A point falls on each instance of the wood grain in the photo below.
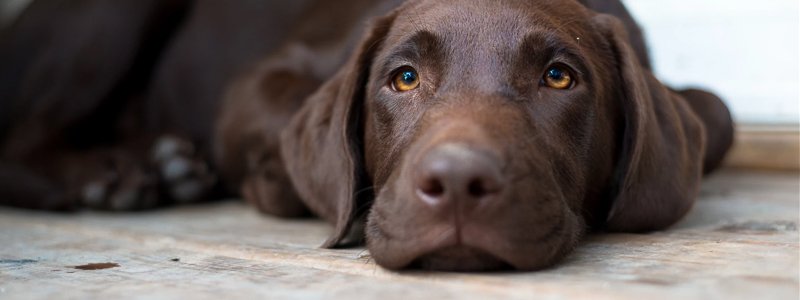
(739, 242)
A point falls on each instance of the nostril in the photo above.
(481, 187)
(432, 187)
(476, 188)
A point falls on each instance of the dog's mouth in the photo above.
(460, 259)
(471, 248)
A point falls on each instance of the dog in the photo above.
(445, 134)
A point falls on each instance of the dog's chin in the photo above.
(460, 259)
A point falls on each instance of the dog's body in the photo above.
(434, 125)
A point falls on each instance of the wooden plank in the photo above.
(766, 147)
(739, 242)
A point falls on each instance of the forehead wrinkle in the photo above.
(479, 47)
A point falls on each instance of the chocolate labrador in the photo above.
(447, 134)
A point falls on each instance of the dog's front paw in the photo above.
(121, 188)
(272, 196)
(184, 175)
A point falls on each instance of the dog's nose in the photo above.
(453, 173)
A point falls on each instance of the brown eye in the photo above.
(558, 78)
(405, 79)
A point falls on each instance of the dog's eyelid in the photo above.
(390, 63)
(390, 68)
(565, 57)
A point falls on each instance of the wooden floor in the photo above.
(739, 242)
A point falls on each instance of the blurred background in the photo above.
(746, 51)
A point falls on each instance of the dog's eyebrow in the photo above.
(540, 47)
(545, 43)
(421, 44)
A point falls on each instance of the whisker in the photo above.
(357, 193)
(366, 204)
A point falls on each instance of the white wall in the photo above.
(744, 50)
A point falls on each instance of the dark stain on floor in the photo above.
(96, 266)
(654, 281)
(15, 264)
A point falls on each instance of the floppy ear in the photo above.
(660, 167)
(322, 146)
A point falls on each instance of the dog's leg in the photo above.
(66, 179)
(247, 152)
(22, 187)
(134, 175)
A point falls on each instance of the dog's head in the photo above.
(485, 134)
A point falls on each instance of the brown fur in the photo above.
(481, 167)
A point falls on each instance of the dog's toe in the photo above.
(185, 176)
(169, 146)
(121, 188)
(94, 194)
(176, 168)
